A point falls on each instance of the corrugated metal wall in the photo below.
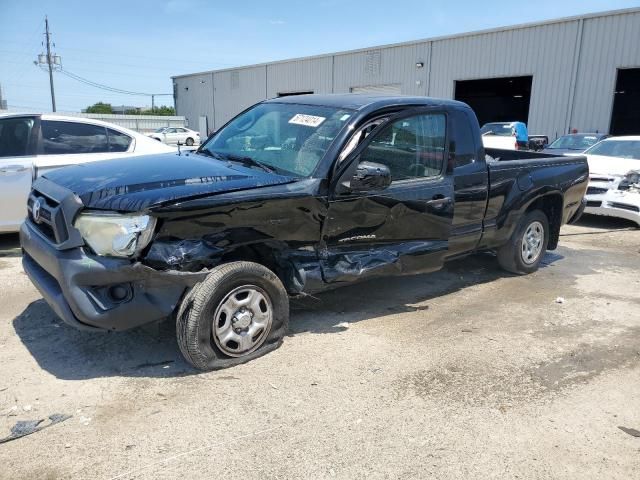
(573, 63)
(545, 52)
(310, 75)
(194, 98)
(235, 90)
(383, 66)
(608, 43)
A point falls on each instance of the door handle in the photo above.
(13, 169)
(438, 201)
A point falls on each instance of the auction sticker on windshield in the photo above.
(306, 120)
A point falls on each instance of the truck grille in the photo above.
(47, 216)
(51, 209)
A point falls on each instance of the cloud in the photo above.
(277, 22)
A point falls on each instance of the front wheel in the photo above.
(238, 313)
(527, 246)
(189, 142)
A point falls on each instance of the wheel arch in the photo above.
(551, 205)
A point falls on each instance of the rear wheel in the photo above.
(238, 313)
(527, 246)
(189, 141)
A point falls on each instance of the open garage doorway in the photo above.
(625, 117)
(497, 99)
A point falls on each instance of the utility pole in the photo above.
(49, 62)
(153, 103)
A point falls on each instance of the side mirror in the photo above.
(369, 177)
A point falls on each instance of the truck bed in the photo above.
(518, 177)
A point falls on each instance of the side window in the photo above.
(465, 146)
(412, 147)
(118, 141)
(14, 136)
(71, 137)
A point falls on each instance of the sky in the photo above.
(137, 45)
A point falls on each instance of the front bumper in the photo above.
(81, 289)
(615, 203)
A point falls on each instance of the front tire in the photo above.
(238, 313)
(189, 142)
(527, 246)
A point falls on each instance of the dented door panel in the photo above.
(397, 231)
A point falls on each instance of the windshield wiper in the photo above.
(248, 161)
(211, 154)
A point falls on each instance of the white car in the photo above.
(614, 178)
(501, 135)
(33, 144)
(175, 135)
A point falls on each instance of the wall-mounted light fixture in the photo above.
(419, 64)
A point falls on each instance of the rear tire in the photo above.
(189, 142)
(238, 313)
(527, 246)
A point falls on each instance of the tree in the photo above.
(163, 110)
(100, 108)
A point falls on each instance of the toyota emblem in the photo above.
(35, 210)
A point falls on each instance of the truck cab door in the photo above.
(402, 227)
(17, 154)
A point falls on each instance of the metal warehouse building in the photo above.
(581, 72)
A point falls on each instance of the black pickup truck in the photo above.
(292, 196)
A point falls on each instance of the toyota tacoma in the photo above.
(293, 196)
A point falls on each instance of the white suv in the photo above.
(32, 144)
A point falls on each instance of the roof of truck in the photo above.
(358, 101)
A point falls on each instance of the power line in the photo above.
(108, 88)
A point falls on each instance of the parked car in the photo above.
(574, 143)
(293, 196)
(34, 144)
(614, 184)
(176, 135)
(505, 135)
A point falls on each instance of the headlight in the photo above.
(113, 234)
(630, 180)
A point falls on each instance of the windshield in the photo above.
(617, 148)
(500, 129)
(574, 142)
(288, 138)
(160, 130)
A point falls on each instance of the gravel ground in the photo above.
(466, 373)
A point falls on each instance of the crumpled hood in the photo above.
(137, 183)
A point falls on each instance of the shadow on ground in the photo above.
(607, 224)
(9, 245)
(74, 355)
